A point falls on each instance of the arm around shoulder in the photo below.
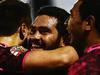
(50, 59)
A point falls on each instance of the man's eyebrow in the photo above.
(43, 27)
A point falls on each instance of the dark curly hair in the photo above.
(12, 14)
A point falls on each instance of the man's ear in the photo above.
(89, 23)
(23, 31)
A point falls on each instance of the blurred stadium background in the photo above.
(36, 4)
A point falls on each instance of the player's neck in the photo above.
(10, 40)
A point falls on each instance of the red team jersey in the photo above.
(89, 64)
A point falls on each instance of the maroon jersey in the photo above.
(89, 64)
(11, 58)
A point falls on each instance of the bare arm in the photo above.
(50, 59)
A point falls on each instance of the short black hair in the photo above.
(91, 7)
(12, 14)
(58, 13)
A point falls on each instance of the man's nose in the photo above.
(37, 35)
